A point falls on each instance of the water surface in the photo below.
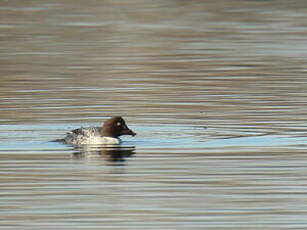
(216, 92)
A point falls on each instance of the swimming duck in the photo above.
(107, 134)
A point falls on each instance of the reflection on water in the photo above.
(109, 153)
(216, 91)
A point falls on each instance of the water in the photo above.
(216, 92)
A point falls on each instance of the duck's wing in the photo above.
(90, 131)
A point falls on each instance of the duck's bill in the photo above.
(128, 132)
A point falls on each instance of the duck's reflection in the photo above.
(109, 153)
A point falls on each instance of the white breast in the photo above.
(101, 140)
(79, 139)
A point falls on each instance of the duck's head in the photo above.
(115, 127)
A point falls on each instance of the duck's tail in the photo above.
(58, 140)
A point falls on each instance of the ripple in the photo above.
(219, 108)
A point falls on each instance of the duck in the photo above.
(108, 133)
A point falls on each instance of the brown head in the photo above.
(115, 127)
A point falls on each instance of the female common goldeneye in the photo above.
(107, 134)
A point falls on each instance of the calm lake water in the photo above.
(215, 90)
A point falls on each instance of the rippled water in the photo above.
(216, 92)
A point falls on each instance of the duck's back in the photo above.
(89, 131)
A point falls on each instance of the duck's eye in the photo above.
(118, 124)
